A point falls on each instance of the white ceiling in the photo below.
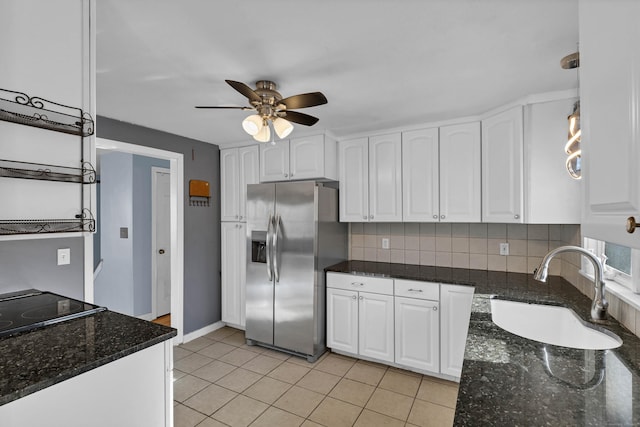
(380, 63)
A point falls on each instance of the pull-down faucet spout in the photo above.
(600, 304)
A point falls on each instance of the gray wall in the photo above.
(142, 201)
(201, 224)
(26, 264)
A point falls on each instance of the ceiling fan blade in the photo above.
(245, 90)
(300, 118)
(229, 108)
(304, 100)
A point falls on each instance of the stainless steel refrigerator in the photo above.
(293, 234)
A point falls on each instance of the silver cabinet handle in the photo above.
(415, 290)
(268, 246)
(276, 272)
(435, 217)
(516, 216)
(442, 216)
(354, 297)
(435, 308)
(361, 298)
(357, 284)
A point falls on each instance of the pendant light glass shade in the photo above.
(253, 124)
(282, 127)
(263, 135)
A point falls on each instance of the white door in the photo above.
(385, 178)
(162, 247)
(375, 326)
(353, 171)
(455, 311)
(307, 157)
(502, 167)
(417, 333)
(232, 292)
(249, 173)
(229, 185)
(342, 320)
(460, 173)
(274, 161)
(420, 180)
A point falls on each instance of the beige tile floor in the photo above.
(220, 381)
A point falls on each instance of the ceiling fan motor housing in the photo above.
(267, 91)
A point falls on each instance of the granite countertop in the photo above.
(31, 361)
(509, 380)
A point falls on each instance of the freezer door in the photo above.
(294, 288)
(259, 285)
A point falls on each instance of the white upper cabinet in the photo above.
(312, 157)
(353, 170)
(502, 167)
(420, 176)
(238, 167)
(460, 173)
(274, 161)
(385, 178)
(370, 173)
(610, 109)
(551, 195)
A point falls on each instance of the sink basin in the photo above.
(551, 325)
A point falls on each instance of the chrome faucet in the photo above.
(600, 304)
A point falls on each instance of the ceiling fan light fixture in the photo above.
(252, 124)
(263, 135)
(282, 127)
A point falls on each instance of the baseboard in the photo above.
(202, 331)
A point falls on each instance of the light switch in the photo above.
(504, 249)
(385, 243)
(64, 256)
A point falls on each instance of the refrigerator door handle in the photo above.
(276, 270)
(268, 247)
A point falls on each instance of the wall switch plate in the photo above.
(124, 232)
(64, 256)
(504, 249)
(385, 243)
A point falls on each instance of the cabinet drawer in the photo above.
(418, 290)
(376, 285)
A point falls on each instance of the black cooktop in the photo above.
(31, 309)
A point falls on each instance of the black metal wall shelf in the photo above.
(82, 222)
(18, 107)
(25, 170)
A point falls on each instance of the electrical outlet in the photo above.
(64, 256)
(385, 243)
(504, 249)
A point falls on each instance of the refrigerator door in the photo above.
(294, 266)
(260, 211)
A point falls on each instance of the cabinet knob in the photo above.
(516, 216)
(370, 216)
(435, 308)
(364, 217)
(631, 224)
(286, 175)
(361, 298)
(161, 251)
(354, 297)
(442, 216)
(240, 217)
(291, 175)
(236, 216)
(435, 217)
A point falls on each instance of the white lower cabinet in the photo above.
(233, 241)
(420, 326)
(417, 334)
(455, 311)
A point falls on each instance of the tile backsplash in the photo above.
(461, 245)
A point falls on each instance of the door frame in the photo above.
(154, 272)
(176, 167)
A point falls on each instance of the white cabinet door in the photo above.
(385, 178)
(307, 157)
(420, 176)
(610, 110)
(232, 283)
(342, 320)
(460, 173)
(274, 161)
(249, 173)
(417, 334)
(229, 185)
(353, 170)
(502, 167)
(455, 311)
(375, 320)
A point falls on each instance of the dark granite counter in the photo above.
(512, 381)
(32, 361)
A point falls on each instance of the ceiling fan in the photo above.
(272, 108)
